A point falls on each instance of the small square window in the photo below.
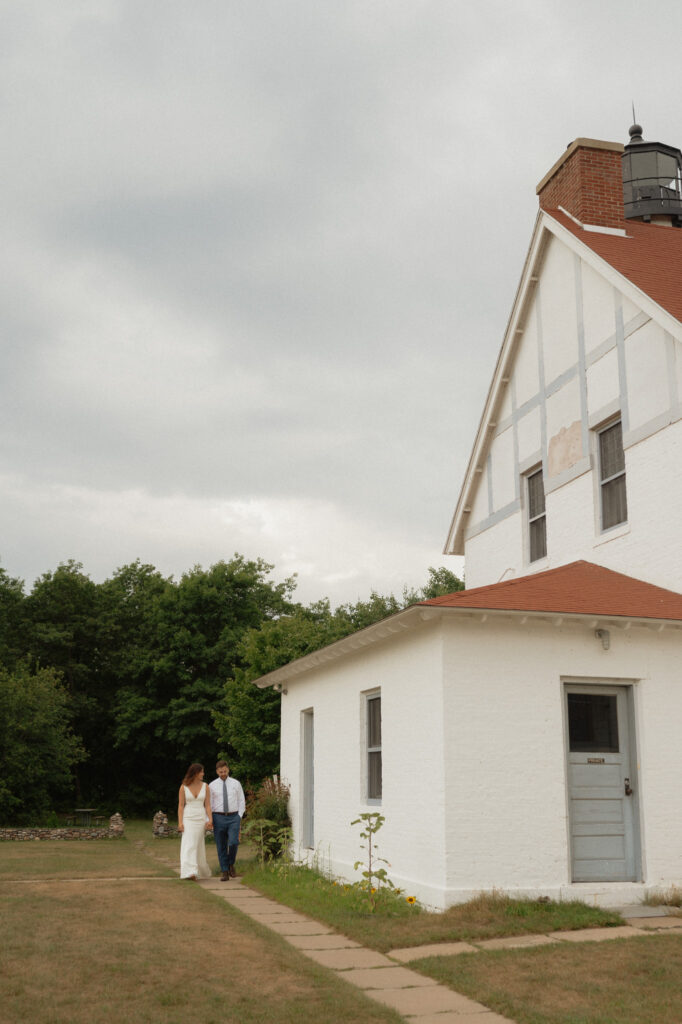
(592, 723)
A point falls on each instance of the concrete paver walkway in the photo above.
(383, 977)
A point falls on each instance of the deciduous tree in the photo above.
(38, 749)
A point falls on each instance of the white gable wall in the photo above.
(585, 355)
(558, 311)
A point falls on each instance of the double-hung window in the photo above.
(537, 519)
(373, 721)
(613, 499)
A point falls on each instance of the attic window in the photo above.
(614, 505)
(537, 520)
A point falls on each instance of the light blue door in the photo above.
(601, 787)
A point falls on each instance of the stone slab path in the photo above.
(383, 977)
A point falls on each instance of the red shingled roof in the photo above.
(649, 255)
(580, 588)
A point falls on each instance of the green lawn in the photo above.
(78, 858)
(400, 924)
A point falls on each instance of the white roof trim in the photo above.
(545, 225)
(382, 630)
(416, 615)
(598, 229)
(454, 544)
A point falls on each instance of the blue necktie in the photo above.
(225, 810)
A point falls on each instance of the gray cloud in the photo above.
(259, 258)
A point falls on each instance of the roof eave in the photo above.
(382, 630)
(593, 620)
(419, 614)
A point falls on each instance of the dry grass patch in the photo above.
(671, 897)
(626, 981)
(153, 952)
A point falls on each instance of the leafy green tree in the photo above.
(163, 712)
(62, 619)
(441, 581)
(128, 638)
(12, 625)
(248, 720)
(144, 660)
(62, 614)
(38, 749)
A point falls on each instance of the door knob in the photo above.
(628, 790)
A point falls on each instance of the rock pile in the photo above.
(160, 827)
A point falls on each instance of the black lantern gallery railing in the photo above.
(652, 179)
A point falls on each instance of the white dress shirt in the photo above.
(235, 796)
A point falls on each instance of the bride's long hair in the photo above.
(191, 774)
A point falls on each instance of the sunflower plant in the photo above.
(373, 877)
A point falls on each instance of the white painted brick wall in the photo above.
(408, 670)
(474, 752)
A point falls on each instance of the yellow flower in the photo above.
(410, 899)
(372, 890)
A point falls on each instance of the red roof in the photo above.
(649, 255)
(580, 588)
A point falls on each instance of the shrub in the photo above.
(268, 823)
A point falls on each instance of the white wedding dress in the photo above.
(193, 861)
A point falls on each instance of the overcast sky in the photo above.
(258, 258)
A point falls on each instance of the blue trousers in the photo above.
(226, 834)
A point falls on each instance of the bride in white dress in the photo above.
(194, 817)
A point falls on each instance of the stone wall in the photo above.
(114, 831)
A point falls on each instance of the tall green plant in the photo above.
(374, 877)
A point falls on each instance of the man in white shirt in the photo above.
(227, 807)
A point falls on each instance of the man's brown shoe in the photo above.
(225, 876)
(233, 873)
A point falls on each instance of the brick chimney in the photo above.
(587, 181)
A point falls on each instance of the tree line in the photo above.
(109, 690)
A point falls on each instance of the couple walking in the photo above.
(219, 807)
